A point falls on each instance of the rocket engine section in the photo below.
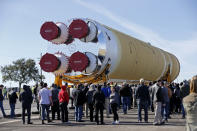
(87, 51)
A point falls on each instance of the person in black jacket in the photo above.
(79, 99)
(89, 96)
(26, 99)
(143, 100)
(125, 93)
(35, 93)
(99, 100)
(12, 101)
(55, 108)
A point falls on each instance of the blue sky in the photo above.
(170, 25)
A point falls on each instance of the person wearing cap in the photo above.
(26, 99)
(89, 96)
(63, 100)
(1, 101)
(143, 100)
(45, 98)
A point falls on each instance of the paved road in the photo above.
(18, 105)
(18, 109)
(127, 122)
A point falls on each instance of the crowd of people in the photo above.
(160, 97)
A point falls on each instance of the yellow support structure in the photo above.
(58, 81)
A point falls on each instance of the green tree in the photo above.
(21, 71)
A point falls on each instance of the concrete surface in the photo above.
(127, 122)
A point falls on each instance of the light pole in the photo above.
(40, 68)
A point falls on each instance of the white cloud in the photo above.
(185, 50)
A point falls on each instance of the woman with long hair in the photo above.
(190, 105)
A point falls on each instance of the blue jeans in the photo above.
(142, 105)
(129, 102)
(45, 107)
(2, 109)
(5, 95)
(125, 103)
(183, 110)
(165, 111)
(78, 112)
(12, 110)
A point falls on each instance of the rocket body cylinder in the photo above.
(106, 53)
(136, 59)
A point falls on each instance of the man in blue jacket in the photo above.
(106, 89)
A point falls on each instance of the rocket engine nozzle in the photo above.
(49, 62)
(49, 31)
(78, 61)
(59, 33)
(78, 29)
(57, 63)
(56, 33)
(86, 31)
